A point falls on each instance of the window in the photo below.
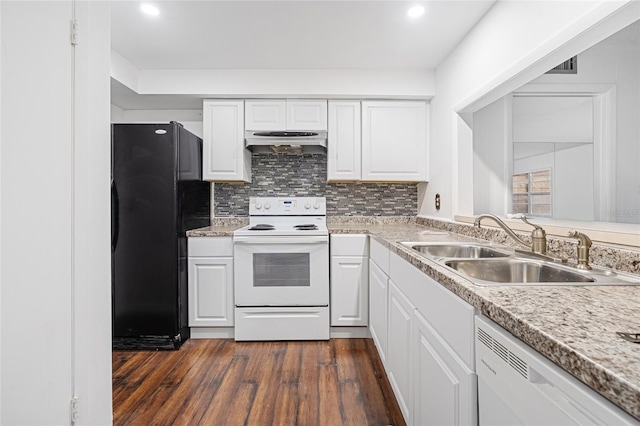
(532, 193)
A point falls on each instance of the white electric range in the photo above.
(281, 270)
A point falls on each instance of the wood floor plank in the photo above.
(286, 409)
(180, 385)
(213, 382)
(292, 362)
(141, 386)
(238, 411)
(266, 376)
(226, 391)
(350, 397)
(329, 396)
(213, 371)
(346, 360)
(309, 389)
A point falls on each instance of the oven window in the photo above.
(281, 270)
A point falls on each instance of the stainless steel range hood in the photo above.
(279, 140)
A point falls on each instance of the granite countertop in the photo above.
(573, 326)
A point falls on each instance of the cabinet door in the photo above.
(211, 292)
(399, 350)
(306, 115)
(378, 297)
(444, 389)
(343, 141)
(265, 115)
(394, 141)
(349, 291)
(224, 157)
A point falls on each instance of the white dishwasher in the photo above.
(518, 386)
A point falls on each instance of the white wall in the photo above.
(491, 162)
(616, 62)
(513, 43)
(54, 228)
(190, 119)
(572, 183)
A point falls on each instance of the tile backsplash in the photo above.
(305, 175)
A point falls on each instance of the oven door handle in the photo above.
(281, 240)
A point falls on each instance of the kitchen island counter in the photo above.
(573, 326)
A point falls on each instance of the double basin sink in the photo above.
(488, 265)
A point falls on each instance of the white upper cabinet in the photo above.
(224, 157)
(286, 115)
(394, 141)
(306, 115)
(265, 115)
(344, 141)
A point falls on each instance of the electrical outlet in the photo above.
(437, 201)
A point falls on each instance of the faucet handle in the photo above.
(584, 243)
(538, 227)
(523, 217)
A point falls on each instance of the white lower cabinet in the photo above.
(349, 280)
(349, 291)
(210, 282)
(399, 349)
(378, 303)
(444, 388)
(429, 347)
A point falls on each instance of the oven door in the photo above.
(281, 271)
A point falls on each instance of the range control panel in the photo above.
(281, 206)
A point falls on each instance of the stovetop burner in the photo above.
(299, 217)
(306, 227)
(262, 227)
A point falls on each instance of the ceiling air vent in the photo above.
(570, 66)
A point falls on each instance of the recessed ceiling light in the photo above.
(149, 9)
(415, 11)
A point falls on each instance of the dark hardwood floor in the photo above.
(216, 382)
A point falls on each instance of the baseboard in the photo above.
(212, 332)
(350, 332)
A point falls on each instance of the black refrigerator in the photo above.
(157, 194)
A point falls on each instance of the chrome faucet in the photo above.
(584, 242)
(538, 235)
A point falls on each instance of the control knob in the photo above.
(258, 206)
(307, 206)
(267, 206)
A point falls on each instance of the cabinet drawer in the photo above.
(210, 246)
(380, 255)
(349, 245)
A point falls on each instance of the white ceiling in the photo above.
(293, 34)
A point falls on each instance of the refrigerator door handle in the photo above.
(115, 213)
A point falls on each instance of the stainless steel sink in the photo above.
(516, 271)
(453, 250)
(487, 265)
